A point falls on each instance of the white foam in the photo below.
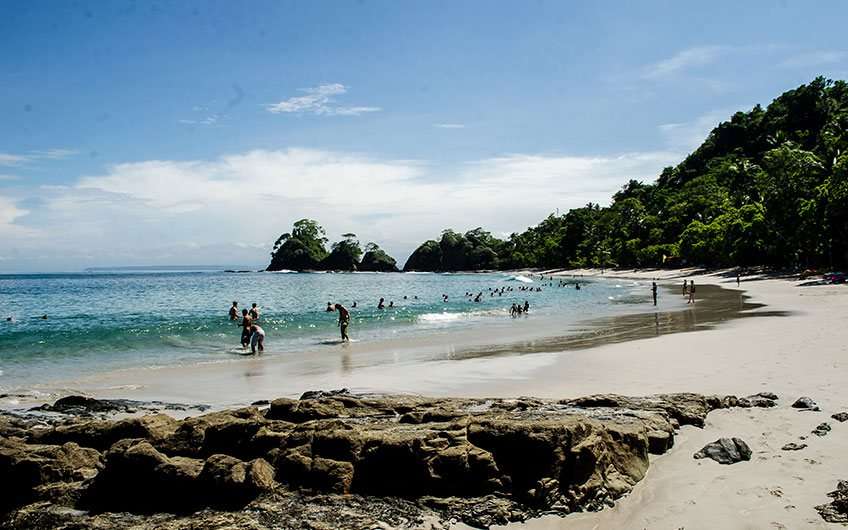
(519, 278)
(441, 317)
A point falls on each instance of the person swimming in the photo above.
(257, 338)
(234, 311)
(354, 304)
(344, 321)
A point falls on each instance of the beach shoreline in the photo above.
(799, 348)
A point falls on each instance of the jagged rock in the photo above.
(792, 446)
(725, 451)
(482, 461)
(840, 416)
(805, 403)
(27, 469)
(229, 482)
(822, 429)
(836, 511)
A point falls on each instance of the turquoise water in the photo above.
(103, 321)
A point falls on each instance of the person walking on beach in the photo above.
(257, 338)
(234, 311)
(684, 288)
(737, 278)
(654, 291)
(691, 292)
(344, 321)
(254, 312)
(246, 322)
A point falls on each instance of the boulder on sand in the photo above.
(805, 403)
(725, 451)
(837, 510)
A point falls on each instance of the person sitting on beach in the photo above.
(246, 322)
(329, 308)
(257, 338)
(254, 312)
(234, 311)
(344, 321)
(381, 305)
(691, 292)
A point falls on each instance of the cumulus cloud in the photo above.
(320, 100)
(230, 209)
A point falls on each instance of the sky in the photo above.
(195, 133)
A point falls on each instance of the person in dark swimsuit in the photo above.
(246, 322)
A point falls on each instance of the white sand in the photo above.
(802, 354)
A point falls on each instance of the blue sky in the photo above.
(197, 132)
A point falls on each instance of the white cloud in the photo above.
(449, 125)
(212, 119)
(321, 101)
(684, 59)
(686, 136)
(230, 209)
(814, 58)
(9, 177)
(8, 159)
(9, 214)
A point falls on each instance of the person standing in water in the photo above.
(257, 338)
(246, 322)
(329, 308)
(381, 305)
(691, 292)
(654, 291)
(254, 312)
(234, 311)
(344, 321)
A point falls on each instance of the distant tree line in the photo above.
(305, 248)
(767, 187)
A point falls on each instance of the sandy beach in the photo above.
(799, 355)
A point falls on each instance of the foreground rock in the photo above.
(840, 416)
(837, 510)
(338, 460)
(821, 429)
(805, 403)
(725, 451)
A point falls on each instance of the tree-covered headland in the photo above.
(305, 248)
(767, 187)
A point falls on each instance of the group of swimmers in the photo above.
(251, 333)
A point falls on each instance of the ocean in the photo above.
(101, 322)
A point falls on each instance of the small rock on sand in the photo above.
(792, 446)
(822, 429)
(840, 416)
(805, 403)
(725, 451)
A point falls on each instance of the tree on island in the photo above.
(344, 255)
(302, 249)
(376, 260)
(769, 186)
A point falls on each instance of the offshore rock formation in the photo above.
(339, 460)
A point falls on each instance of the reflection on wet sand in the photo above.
(715, 305)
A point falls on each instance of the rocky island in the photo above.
(335, 460)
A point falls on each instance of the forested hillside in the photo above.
(769, 186)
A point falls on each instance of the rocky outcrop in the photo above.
(725, 451)
(840, 416)
(836, 511)
(409, 458)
